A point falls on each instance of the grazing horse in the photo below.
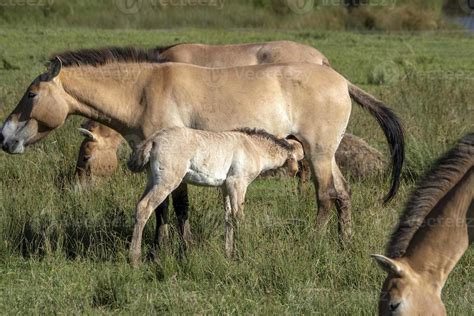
(311, 102)
(100, 144)
(434, 231)
(230, 160)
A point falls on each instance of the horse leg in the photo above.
(304, 175)
(229, 224)
(325, 192)
(162, 222)
(154, 197)
(181, 207)
(343, 204)
(236, 191)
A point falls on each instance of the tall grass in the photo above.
(63, 249)
(277, 14)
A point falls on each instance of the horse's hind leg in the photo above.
(162, 221)
(343, 204)
(181, 207)
(325, 190)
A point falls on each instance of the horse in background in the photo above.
(436, 228)
(98, 151)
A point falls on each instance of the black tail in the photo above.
(391, 126)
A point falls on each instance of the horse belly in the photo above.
(200, 178)
(206, 172)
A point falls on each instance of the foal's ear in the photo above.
(54, 68)
(389, 265)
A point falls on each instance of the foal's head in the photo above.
(294, 155)
(406, 292)
(98, 152)
(43, 108)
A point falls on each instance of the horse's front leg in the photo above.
(234, 206)
(181, 207)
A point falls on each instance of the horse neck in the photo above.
(105, 94)
(439, 244)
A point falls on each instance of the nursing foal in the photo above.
(231, 160)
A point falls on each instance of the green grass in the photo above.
(64, 250)
(275, 14)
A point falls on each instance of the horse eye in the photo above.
(31, 95)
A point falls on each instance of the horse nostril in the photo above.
(1, 138)
(394, 306)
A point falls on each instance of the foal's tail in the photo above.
(391, 126)
(140, 157)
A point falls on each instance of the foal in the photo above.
(231, 160)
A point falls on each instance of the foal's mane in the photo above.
(267, 136)
(102, 56)
(438, 181)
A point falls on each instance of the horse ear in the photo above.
(88, 134)
(389, 265)
(54, 68)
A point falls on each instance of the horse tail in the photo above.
(140, 157)
(392, 128)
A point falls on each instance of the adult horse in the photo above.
(434, 231)
(208, 56)
(311, 102)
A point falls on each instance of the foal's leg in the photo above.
(154, 197)
(236, 191)
(229, 224)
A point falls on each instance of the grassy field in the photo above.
(64, 250)
(394, 15)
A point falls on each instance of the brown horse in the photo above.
(221, 56)
(100, 144)
(213, 56)
(311, 102)
(434, 231)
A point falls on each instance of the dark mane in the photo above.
(102, 56)
(265, 135)
(444, 174)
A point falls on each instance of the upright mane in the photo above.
(441, 178)
(267, 136)
(101, 56)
